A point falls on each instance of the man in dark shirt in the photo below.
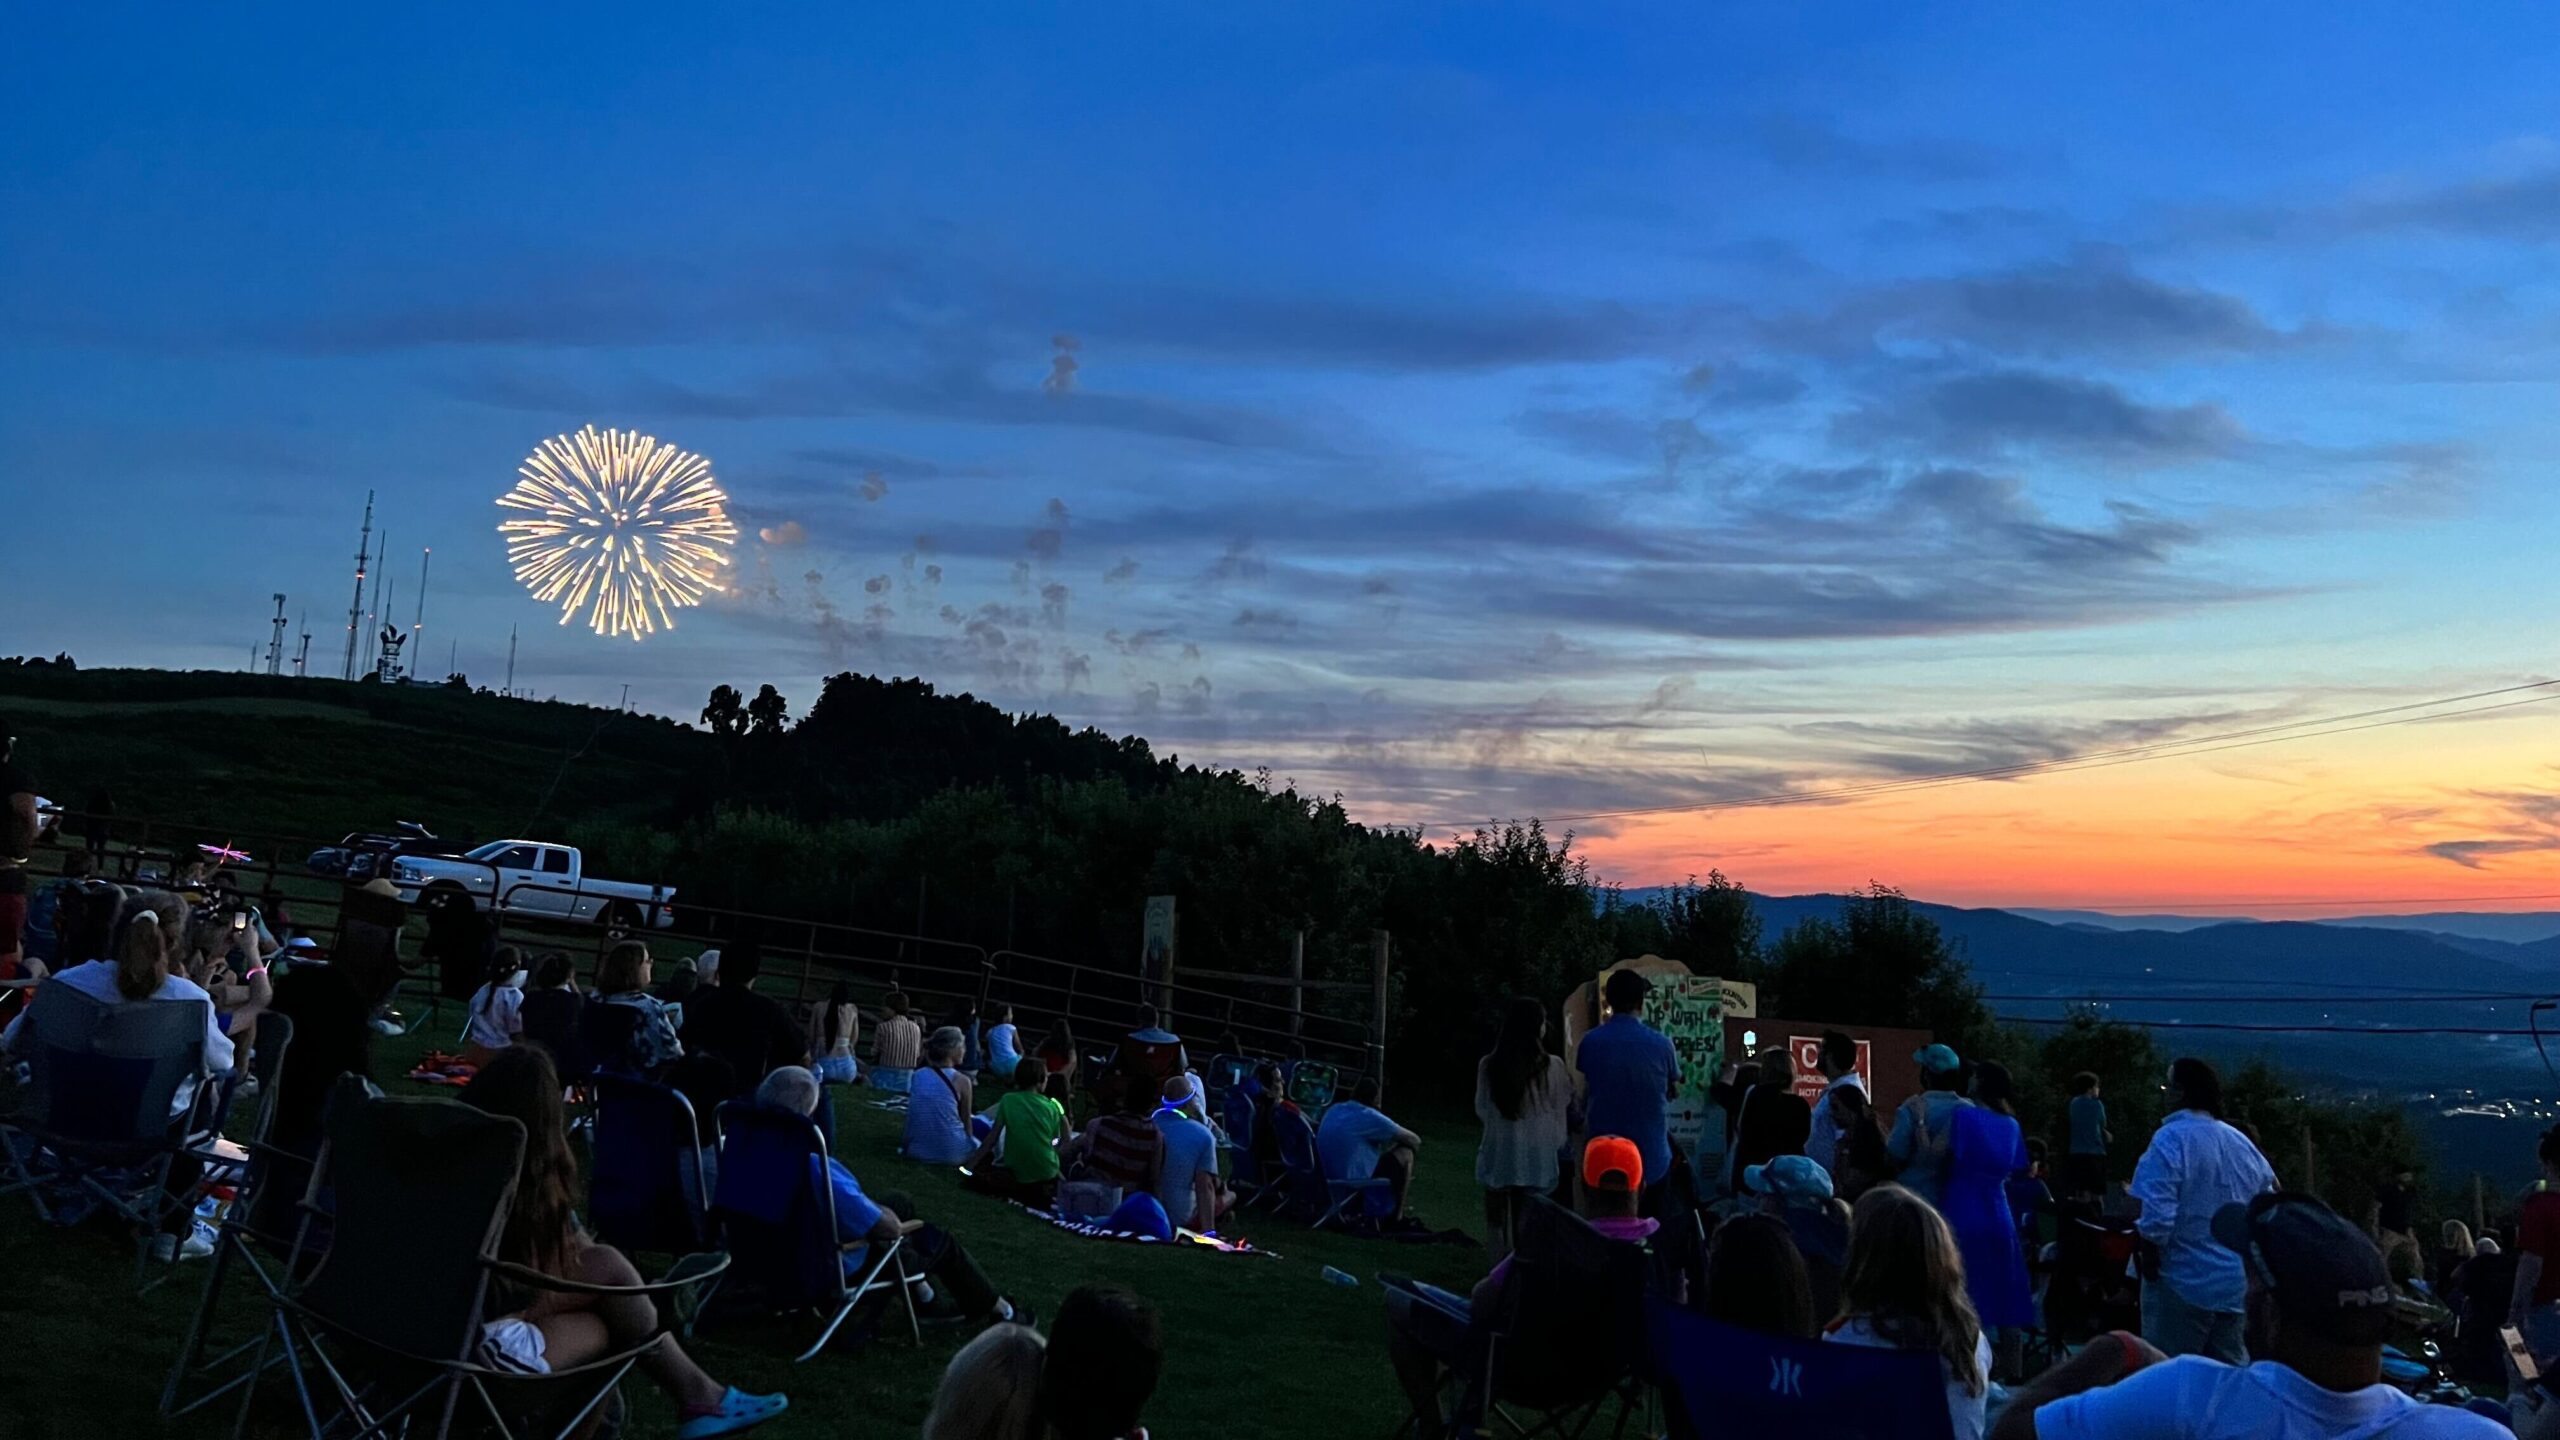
(755, 1035)
(17, 843)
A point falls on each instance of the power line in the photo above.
(2101, 759)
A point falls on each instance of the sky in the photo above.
(1477, 411)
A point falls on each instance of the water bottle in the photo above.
(1341, 1278)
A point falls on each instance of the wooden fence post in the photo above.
(1380, 947)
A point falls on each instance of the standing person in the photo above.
(2533, 1304)
(1839, 1067)
(941, 1102)
(1904, 1290)
(2319, 1307)
(97, 824)
(2194, 1290)
(2394, 1229)
(896, 1045)
(2453, 1246)
(1985, 1152)
(1926, 1123)
(1859, 1161)
(561, 1329)
(1355, 1141)
(18, 826)
(1629, 1072)
(1522, 1091)
(1770, 1118)
(2084, 1163)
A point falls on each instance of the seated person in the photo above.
(897, 1043)
(862, 1221)
(1186, 1180)
(1122, 1149)
(1150, 1051)
(549, 1015)
(629, 1031)
(726, 1018)
(1427, 1327)
(1004, 1042)
(2320, 1310)
(1797, 1193)
(1355, 1142)
(940, 1103)
(991, 1389)
(1270, 1096)
(497, 1008)
(1106, 1351)
(1019, 1157)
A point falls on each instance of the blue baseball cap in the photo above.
(1796, 1179)
(1937, 1059)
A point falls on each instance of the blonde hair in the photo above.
(2457, 1238)
(991, 1390)
(1905, 1278)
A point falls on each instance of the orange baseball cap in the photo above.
(1612, 1162)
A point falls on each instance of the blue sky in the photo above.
(1478, 410)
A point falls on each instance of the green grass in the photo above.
(1258, 1346)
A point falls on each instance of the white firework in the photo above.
(620, 526)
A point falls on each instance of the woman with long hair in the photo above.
(839, 1027)
(557, 1329)
(1903, 1289)
(1756, 1279)
(1521, 1094)
(644, 1042)
(1859, 1161)
(497, 1008)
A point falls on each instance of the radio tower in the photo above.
(355, 609)
(302, 660)
(511, 662)
(418, 621)
(275, 641)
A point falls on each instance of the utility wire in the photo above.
(2102, 759)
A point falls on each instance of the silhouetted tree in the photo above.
(725, 713)
(768, 713)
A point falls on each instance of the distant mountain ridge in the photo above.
(2513, 928)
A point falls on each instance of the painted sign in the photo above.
(1156, 951)
(1689, 1011)
(1808, 1053)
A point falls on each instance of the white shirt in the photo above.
(1823, 1142)
(2194, 1167)
(97, 980)
(2193, 1398)
(496, 1017)
(1965, 1410)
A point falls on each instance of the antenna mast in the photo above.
(275, 640)
(355, 608)
(511, 662)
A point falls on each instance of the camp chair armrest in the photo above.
(535, 1280)
(910, 1227)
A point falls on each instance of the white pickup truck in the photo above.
(535, 880)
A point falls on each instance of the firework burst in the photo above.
(618, 525)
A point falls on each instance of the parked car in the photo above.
(363, 854)
(535, 879)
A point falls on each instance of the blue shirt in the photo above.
(1004, 1051)
(1189, 1148)
(2195, 1166)
(2088, 1125)
(1350, 1140)
(855, 1212)
(1922, 1143)
(937, 1133)
(1629, 1068)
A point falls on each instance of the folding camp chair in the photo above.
(1745, 1382)
(777, 1213)
(649, 1184)
(1244, 1166)
(1568, 1329)
(1311, 1084)
(94, 1123)
(1311, 1190)
(386, 1335)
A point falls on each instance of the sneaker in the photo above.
(199, 1243)
(166, 1250)
(737, 1411)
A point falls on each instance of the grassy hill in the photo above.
(249, 755)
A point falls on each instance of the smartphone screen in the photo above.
(2518, 1355)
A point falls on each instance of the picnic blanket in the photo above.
(1186, 1239)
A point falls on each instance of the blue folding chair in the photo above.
(95, 1123)
(777, 1214)
(1311, 1190)
(1311, 1084)
(1244, 1165)
(649, 1186)
(1745, 1382)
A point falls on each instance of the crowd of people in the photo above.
(1826, 1221)
(2263, 1312)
